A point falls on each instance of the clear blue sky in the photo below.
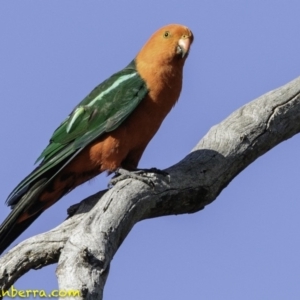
(243, 246)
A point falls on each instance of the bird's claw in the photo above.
(139, 174)
(152, 170)
(122, 174)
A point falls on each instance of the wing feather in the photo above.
(103, 110)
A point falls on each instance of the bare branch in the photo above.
(226, 150)
(43, 249)
(194, 182)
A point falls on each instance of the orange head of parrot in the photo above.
(169, 44)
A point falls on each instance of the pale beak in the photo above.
(184, 45)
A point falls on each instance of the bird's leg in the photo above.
(138, 174)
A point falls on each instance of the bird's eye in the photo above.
(166, 34)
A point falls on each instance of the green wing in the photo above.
(103, 110)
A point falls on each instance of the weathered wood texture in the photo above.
(85, 243)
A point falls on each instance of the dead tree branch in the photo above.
(85, 244)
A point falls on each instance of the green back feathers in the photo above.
(103, 110)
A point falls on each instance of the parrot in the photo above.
(109, 129)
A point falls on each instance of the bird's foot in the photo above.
(139, 174)
(153, 170)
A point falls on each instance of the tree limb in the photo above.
(86, 242)
(43, 249)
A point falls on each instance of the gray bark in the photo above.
(85, 243)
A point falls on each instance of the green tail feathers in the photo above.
(10, 229)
